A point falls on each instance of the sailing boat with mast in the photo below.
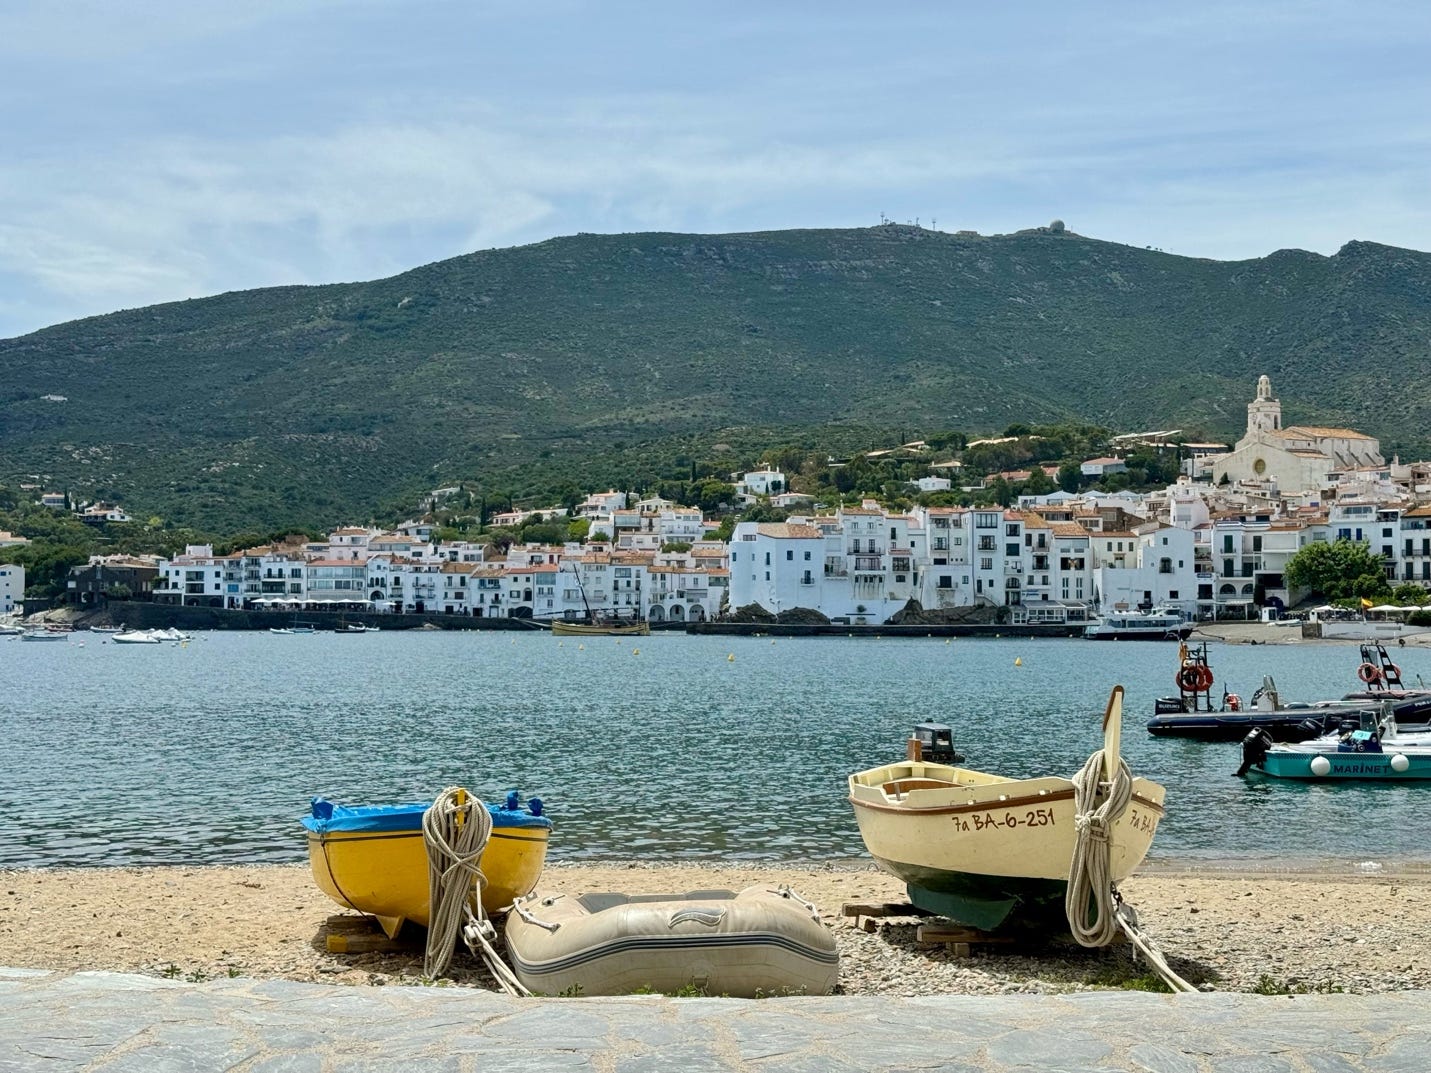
(598, 624)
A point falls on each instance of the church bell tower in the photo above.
(1264, 413)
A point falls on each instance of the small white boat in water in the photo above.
(45, 635)
(755, 943)
(136, 637)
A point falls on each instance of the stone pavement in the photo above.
(118, 1023)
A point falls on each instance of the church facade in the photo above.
(1297, 458)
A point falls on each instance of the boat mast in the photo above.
(590, 617)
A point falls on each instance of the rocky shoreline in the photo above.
(1274, 932)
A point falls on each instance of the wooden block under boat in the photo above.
(958, 935)
(364, 943)
(347, 922)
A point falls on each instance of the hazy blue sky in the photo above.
(159, 150)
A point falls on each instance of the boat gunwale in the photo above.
(529, 833)
(987, 806)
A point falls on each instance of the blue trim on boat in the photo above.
(327, 817)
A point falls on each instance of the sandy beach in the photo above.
(1272, 931)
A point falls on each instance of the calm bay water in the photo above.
(657, 748)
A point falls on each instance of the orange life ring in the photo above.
(1187, 679)
(1368, 673)
(1234, 702)
(1393, 671)
(1204, 678)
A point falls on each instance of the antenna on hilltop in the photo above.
(934, 223)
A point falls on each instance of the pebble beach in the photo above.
(1268, 931)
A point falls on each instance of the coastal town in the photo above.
(1213, 545)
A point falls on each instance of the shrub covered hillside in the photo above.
(311, 403)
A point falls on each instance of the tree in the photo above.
(1069, 476)
(1339, 570)
(1038, 484)
(1408, 592)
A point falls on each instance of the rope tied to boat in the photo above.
(1095, 909)
(1096, 807)
(455, 829)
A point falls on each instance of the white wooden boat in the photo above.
(753, 943)
(982, 848)
(45, 635)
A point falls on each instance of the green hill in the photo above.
(311, 404)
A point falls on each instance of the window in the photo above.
(1172, 594)
(986, 564)
(807, 556)
(789, 555)
(1011, 550)
(767, 561)
(945, 581)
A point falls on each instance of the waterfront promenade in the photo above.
(57, 1023)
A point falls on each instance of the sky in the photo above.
(166, 150)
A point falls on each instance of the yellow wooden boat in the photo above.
(373, 858)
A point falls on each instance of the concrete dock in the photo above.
(115, 1023)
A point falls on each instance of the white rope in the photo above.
(480, 936)
(1095, 910)
(1089, 901)
(455, 828)
(1128, 920)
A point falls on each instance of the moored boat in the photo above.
(982, 848)
(136, 637)
(374, 858)
(587, 629)
(1295, 721)
(753, 943)
(1367, 748)
(1140, 626)
(44, 635)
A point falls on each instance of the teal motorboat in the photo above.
(1367, 745)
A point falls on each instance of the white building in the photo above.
(1159, 570)
(760, 482)
(12, 588)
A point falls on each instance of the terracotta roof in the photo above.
(1069, 529)
(1318, 430)
(784, 531)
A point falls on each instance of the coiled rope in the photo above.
(455, 829)
(1096, 911)
(1089, 901)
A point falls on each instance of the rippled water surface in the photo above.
(674, 748)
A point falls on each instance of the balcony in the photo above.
(868, 564)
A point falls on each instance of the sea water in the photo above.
(661, 748)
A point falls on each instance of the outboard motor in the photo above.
(936, 743)
(1254, 750)
(1311, 727)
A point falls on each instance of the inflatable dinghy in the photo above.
(758, 942)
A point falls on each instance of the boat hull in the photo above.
(1177, 633)
(996, 847)
(1297, 764)
(585, 629)
(383, 870)
(757, 942)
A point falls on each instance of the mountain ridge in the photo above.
(287, 403)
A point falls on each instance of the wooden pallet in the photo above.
(958, 939)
